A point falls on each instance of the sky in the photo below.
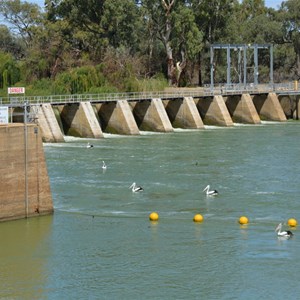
(269, 3)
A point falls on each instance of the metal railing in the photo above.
(205, 91)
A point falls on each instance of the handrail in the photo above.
(233, 89)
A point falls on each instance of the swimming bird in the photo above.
(89, 145)
(210, 193)
(103, 165)
(135, 188)
(280, 233)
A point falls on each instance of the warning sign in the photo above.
(16, 90)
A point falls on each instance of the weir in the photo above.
(91, 119)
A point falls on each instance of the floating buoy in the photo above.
(292, 222)
(243, 220)
(153, 216)
(198, 218)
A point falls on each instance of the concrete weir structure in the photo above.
(128, 117)
(24, 183)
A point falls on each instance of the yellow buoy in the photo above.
(243, 220)
(198, 218)
(292, 222)
(153, 216)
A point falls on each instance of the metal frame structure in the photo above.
(242, 49)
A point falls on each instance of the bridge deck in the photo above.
(172, 93)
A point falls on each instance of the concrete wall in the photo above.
(20, 198)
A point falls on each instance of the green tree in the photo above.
(23, 17)
(290, 16)
(173, 23)
(9, 71)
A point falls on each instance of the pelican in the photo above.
(89, 145)
(210, 193)
(280, 233)
(136, 188)
(103, 165)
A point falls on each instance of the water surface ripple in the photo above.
(100, 244)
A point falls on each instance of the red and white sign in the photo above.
(16, 90)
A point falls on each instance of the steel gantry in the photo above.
(242, 68)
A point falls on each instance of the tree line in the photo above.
(95, 46)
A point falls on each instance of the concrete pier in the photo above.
(51, 131)
(80, 120)
(116, 117)
(24, 185)
(151, 116)
(183, 113)
(213, 111)
(268, 107)
(242, 109)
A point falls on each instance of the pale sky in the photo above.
(269, 3)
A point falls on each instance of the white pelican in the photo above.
(136, 188)
(89, 145)
(280, 233)
(210, 193)
(103, 165)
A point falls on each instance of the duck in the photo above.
(104, 167)
(210, 192)
(135, 188)
(284, 233)
(89, 145)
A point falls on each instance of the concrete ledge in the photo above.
(213, 111)
(13, 202)
(242, 109)
(48, 124)
(269, 108)
(183, 113)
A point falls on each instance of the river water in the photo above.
(100, 244)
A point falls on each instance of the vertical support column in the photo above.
(240, 65)
(255, 65)
(271, 65)
(211, 68)
(245, 66)
(228, 66)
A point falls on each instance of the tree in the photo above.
(290, 14)
(23, 17)
(174, 25)
(9, 71)
(10, 44)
